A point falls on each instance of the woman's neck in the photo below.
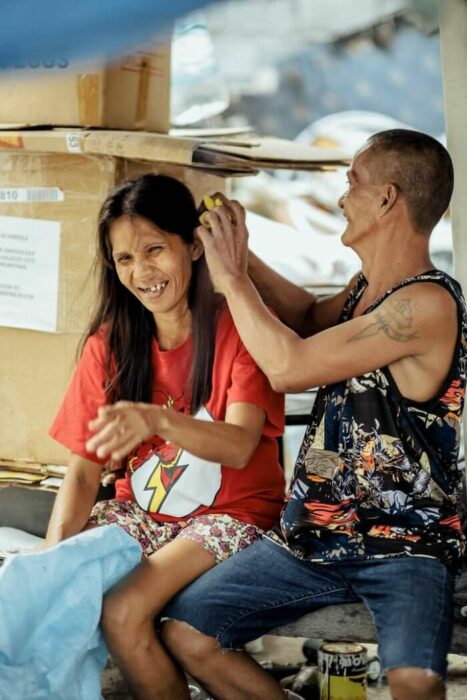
(173, 328)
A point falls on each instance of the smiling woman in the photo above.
(156, 267)
(146, 240)
(165, 389)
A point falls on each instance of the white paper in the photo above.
(14, 541)
(29, 273)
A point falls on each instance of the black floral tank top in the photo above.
(377, 474)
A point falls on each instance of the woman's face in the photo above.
(153, 265)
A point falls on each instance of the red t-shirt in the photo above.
(166, 481)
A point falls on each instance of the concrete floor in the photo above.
(289, 650)
(284, 651)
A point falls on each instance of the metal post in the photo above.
(453, 28)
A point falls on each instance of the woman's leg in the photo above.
(128, 618)
(184, 552)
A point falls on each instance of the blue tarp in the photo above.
(51, 647)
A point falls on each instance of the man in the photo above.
(371, 511)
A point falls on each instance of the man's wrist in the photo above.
(233, 284)
(251, 262)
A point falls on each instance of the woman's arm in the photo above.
(74, 500)
(120, 428)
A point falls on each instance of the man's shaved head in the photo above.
(419, 166)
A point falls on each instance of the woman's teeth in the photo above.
(155, 288)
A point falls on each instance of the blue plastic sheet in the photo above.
(51, 647)
(46, 30)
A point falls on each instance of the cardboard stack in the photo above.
(52, 183)
(132, 93)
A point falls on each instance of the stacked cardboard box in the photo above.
(131, 93)
(52, 183)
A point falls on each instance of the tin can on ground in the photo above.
(342, 671)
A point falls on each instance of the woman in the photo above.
(165, 387)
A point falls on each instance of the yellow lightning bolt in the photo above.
(155, 482)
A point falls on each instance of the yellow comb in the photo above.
(207, 204)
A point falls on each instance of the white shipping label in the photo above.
(29, 273)
(73, 142)
(12, 195)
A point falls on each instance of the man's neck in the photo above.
(390, 264)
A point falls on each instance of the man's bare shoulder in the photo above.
(429, 301)
(420, 314)
(424, 315)
(411, 315)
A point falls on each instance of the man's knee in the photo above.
(415, 684)
(187, 645)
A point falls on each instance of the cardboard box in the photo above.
(35, 367)
(226, 156)
(132, 93)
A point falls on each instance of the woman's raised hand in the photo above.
(225, 239)
(119, 428)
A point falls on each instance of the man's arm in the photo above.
(299, 309)
(416, 322)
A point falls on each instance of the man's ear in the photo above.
(389, 197)
(197, 248)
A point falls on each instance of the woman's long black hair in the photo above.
(130, 328)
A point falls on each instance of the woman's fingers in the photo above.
(104, 435)
(114, 442)
(123, 447)
(118, 429)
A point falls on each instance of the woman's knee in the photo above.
(186, 644)
(122, 612)
(415, 684)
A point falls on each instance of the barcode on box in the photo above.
(13, 195)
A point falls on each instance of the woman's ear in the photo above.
(197, 248)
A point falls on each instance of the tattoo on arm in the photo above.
(394, 319)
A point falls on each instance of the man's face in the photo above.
(361, 202)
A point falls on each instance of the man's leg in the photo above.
(241, 599)
(411, 602)
(415, 684)
(227, 675)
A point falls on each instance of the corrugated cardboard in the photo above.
(34, 372)
(35, 367)
(133, 93)
(236, 156)
(84, 183)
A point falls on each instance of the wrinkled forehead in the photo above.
(133, 231)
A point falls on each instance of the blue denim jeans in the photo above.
(264, 586)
